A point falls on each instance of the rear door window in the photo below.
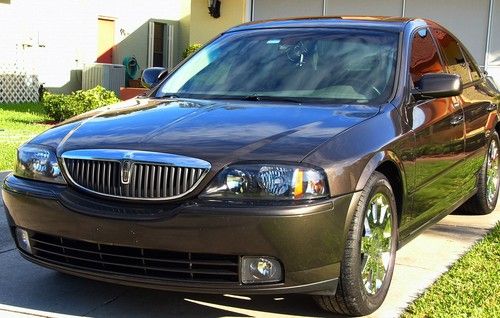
(475, 74)
(452, 55)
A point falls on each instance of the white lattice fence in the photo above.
(18, 84)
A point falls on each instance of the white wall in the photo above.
(63, 33)
(494, 54)
(493, 63)
(468, 20)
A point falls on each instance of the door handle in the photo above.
(455, 120)
(491, 107)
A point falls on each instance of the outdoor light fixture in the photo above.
(214, 8)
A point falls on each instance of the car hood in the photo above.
(217, 131)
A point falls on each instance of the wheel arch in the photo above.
(387, 163)
(497, 127)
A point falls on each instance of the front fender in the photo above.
(379, 158)
(376, 161)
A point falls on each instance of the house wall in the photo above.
(204, 27)
(363, 7)
(58, 37)
(265, 9)
(467, 19)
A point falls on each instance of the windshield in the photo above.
(317, 65)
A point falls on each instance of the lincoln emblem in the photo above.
(126, 170)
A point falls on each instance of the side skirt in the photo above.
(403, 241)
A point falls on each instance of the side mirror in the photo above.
(152, 76)
(437, 85)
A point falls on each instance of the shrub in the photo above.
(190, 50)
(60, 107)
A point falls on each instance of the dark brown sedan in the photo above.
(286, 156)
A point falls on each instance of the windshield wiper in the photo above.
(253, 97)
(259, 98)
(169, 96)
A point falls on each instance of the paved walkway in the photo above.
(27, 290)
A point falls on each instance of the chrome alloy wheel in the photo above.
(492, 172)
(376, 243)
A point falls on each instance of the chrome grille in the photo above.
(150, 181)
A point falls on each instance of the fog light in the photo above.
(23, 240)
(258, 270)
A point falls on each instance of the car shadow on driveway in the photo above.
(26, 287)
(444, 230)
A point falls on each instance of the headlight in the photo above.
(39, 163)
(268, 181)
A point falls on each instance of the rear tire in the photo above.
(485, 200)
(369, 255)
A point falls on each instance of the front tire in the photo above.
(369, 255)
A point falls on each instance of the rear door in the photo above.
(439, 129)
(476, 101)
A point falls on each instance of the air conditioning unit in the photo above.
(109, 76)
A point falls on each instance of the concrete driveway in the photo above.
(27, 290)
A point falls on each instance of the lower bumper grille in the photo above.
(148, 263)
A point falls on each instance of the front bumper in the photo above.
(308, 240)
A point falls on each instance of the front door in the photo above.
(439, 129)
(105, 40)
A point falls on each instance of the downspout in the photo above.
(252, 10)
(488, 34)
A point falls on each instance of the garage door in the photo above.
(266, 9)
(364, 7)
(468, 20)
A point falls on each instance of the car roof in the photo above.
(390, 23)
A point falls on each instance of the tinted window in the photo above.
(335, 66)
(452, 54)
(474, 71)
(424, 56)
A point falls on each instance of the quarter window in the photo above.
(424, 56)
(453, 55)
(474, 73)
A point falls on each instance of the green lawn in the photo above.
(18, 124)
(471, 288)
